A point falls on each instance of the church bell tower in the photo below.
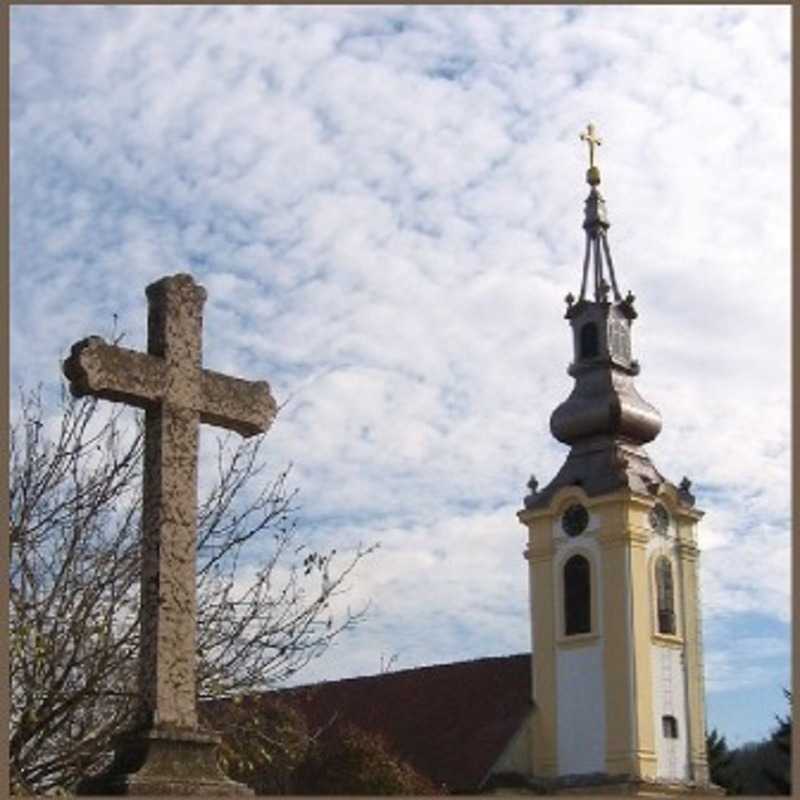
(612, 551)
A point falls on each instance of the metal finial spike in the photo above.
(684, 492)
(530, 499)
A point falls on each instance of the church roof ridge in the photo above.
(450, 721)
(405, 671)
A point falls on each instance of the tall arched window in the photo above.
(577, 596)
(589, 340)
(665, 596)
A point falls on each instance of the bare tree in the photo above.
(264, 611)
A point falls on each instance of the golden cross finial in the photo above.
(593, 141)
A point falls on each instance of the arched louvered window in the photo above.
(589, 340)
(665, 596)
(577, 596)
(669, 726)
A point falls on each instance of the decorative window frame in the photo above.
(666, 639)
(566, 497)
(577, 639)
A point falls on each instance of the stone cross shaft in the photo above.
(176, 393)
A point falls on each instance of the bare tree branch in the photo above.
(75, 503)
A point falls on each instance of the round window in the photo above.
(575, 519)
(659, 519)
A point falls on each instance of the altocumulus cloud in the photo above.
(385, 206)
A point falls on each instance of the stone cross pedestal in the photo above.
(167, 753)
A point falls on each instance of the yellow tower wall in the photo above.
(624, 628)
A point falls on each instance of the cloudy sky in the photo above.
(385, 206)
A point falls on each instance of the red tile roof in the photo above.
(451, 722)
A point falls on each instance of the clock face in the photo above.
(659, 519)
(575, 519)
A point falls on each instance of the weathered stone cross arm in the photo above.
(246, 407)
(174, 376)
(109, 372)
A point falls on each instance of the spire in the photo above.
(596, 224)
(604, 420)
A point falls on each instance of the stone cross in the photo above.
(592, 141)
(177, 394)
